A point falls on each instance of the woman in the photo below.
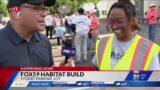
(125, 50)
(94, 27)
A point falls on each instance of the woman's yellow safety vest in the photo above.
(138, 56)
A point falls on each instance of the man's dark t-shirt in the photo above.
(15, 51)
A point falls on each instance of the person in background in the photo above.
(125, 50)
(21, 43)
(49, 24)
(89, 39)
(57, 20)
(67, 23)
(151, 17)
(72, 19)
(60, 32)
(82, 24)
(94, 27)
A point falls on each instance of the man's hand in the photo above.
(70, 63)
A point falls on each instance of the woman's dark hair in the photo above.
(128, 8)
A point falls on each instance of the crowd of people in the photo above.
(22, 44)
(77, 25)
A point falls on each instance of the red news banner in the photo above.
(6, 74)
(75, 76)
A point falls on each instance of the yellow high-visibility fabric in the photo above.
(126, 60)
(97, 44)
(154, 49)
(106, 56)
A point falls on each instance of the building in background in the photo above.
(103, 6)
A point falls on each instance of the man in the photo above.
(21, 43)
(125, 50)
(151, 18)
(49, 24)
(72, 17)
(82, 24)
(67, 22)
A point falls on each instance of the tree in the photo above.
(73, 4)
(3, 8)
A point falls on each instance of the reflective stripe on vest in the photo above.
(100, 50)
(133, 59)
(154, 49)
(142, 57)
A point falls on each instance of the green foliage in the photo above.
(73, 4)
(3, 8)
